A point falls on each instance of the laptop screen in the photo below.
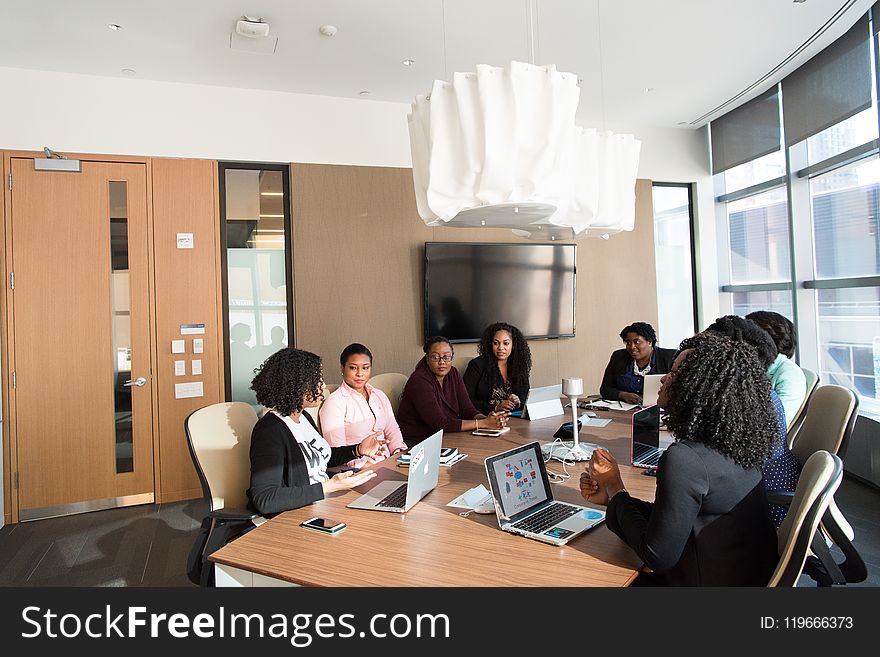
(518, 479)
(646, 429)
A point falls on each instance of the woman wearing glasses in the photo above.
(435, 398)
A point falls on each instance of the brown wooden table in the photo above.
(432, 545)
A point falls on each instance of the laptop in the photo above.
(400, 497)
(646, 450)
(524, 501)
(651, 389)
(542, 402)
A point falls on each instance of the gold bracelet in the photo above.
(357, 450)
(477, 422)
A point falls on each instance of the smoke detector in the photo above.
(253, 28)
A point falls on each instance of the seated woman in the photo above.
(710, 522)
(357, 410)
(289, 458)
(435, 398)
(786, 377)
(498, 379)
(624, 376)
(782, 470)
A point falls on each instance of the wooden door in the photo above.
(80, 314)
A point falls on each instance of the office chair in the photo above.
(392, 385)
(819, 480)
(795, 422)
(812, 381)
(219, 441)
(315, 410)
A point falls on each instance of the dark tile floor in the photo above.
(148, 545)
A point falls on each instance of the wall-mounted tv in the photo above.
(469, 286)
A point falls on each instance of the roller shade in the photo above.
(748, 132)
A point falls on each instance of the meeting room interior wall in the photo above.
(358, 257)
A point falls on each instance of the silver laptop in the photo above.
(400, 497)
(651, 389)
(646, 450)
(524, 501)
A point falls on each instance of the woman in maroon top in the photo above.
(435, 398)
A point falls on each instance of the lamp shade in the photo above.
(499, 148)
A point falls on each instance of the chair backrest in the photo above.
(314, 411)
(392, 384)
(794, 423)
(819, 480)
(219, 440)
(828, 422)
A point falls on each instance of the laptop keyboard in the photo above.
(394, 499)
(647, 457)
(546, 518)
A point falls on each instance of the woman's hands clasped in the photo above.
(601, 481)
(507, 405)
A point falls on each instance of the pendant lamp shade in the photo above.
(499, 148)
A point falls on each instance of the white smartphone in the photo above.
(490, 432)
(324, 525)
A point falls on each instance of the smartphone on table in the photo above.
(324, 525)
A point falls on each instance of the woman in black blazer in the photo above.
(289, 458)
(498, 379)
(624, 377)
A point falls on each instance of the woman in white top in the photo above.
(289, 458)
(357, 410)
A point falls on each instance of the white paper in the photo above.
(472, 498)
(196, 367)
(184, 240)
(198, 346)
(190, 329)
(594, 421)
(615, 405)
(179, 367)
(178, 346)
(186, 390)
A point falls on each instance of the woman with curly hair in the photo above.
(498, 378)
(289, 458)
(624, 377)
(710, 523)
(787, 378)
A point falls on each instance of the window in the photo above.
(257, 278)
(674, 250)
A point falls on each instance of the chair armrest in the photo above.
(780, 497)
(233, 514)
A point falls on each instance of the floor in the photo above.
(148, 545)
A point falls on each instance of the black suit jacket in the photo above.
(279, 477)
(480, 377)
(621, 361)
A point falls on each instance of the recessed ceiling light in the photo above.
(114, 27)
(408, 62)
(799, 2)
(128, 71)
(682, 123)
(363, 93)
(649, 89)
(328, 30)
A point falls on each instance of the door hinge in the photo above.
(16, 480)
(13, 380)
(12, 280)
(10, 182)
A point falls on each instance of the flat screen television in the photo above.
(469, 286)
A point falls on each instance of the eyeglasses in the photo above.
(436, 358)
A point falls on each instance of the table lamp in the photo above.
(573, 451)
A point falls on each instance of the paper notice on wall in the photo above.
(190, 329)
(198, 345)
(179, 367)
(187, 390)
(184, 240)
(196, 367)
(178, 346)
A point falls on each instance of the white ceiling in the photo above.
(695, 55)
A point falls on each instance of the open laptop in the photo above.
(646, 449)
(524, 502)
(542, 402)
(400, 497)
(651, 389)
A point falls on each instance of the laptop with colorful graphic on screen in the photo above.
(524, 501)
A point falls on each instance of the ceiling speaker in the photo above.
(252, 29)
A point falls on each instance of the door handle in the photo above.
(139, 382)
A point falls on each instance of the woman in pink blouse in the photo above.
(356, 409)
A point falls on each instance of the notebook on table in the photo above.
(524, 501)
(646, 450)
(400, 497)
(651, 389)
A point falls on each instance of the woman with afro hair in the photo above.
(498, 378)
(289, 458)
(710, 523)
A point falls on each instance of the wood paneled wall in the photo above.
(358, 255)
(185, 199)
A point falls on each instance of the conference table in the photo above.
(432, 544)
